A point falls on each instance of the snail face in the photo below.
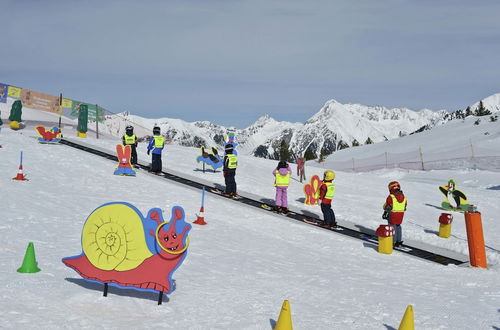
(170, 240)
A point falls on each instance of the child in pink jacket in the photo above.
(281, 182)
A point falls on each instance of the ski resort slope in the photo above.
(245, 262)
(359, 196)
(451, 140)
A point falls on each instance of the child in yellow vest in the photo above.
(326, 192)
(281, 182)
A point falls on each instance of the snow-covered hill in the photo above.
(491, 103)
(469, 143)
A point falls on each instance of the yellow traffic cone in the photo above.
(285, 318)
(407, 323)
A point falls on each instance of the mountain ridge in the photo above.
(335, 126)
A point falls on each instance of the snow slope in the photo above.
(245, 262)
(453, 140)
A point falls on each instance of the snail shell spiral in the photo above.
(113, 238)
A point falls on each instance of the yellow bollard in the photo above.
(285, 318)
(385, 234)
(407, 323)
(81, 134)
(445, 220)
(444, 230)
(385, 245)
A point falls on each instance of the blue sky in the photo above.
(231, 62)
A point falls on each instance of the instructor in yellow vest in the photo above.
(156, 144)
(130, 139)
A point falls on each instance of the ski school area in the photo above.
(90, 241)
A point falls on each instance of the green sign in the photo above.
(95, 113)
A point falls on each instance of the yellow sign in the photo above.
(14, 92)
(67, 103)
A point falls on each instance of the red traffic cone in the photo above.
(20, 176)
(200, 220)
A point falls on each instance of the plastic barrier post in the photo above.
(445, 220)
(385, 245)
(385, 234)
(475, 238)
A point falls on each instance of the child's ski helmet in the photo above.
(394, 186)
(129, 129)
(282, 164)
(156, 130)
(329, 175)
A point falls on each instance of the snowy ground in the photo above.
(242, 265)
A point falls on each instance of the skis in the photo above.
(320, 223)
(220, 192)
(402, 248)
(275, 210)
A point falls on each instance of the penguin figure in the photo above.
(454, 196)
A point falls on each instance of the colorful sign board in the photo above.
(45, 102)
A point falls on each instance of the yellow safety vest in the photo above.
(397, 206)
(330, 191)
(129, 139)
(282, 180)
(159, 140)
(233, 161)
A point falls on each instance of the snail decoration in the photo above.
(121, 248)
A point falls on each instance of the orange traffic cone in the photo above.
(20, 176)
(200, 220)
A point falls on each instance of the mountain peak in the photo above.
(491, 103)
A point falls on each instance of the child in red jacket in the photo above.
(394, 210)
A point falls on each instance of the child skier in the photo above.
(229, 170)
(129, 138)
(326, 192)
(156, 143)
(394, 210)
(281, 182)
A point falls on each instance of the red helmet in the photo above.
(394, 186)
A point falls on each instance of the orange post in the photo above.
(475, 239)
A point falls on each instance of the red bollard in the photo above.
(475, 238)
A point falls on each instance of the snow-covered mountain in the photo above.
(491, 103)
(335, 126)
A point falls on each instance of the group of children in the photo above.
(155, 146)
(394, 206)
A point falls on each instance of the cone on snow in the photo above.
(200, 220)
(407, 323)
(285, 318)
(29, 263)
(20, 176)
